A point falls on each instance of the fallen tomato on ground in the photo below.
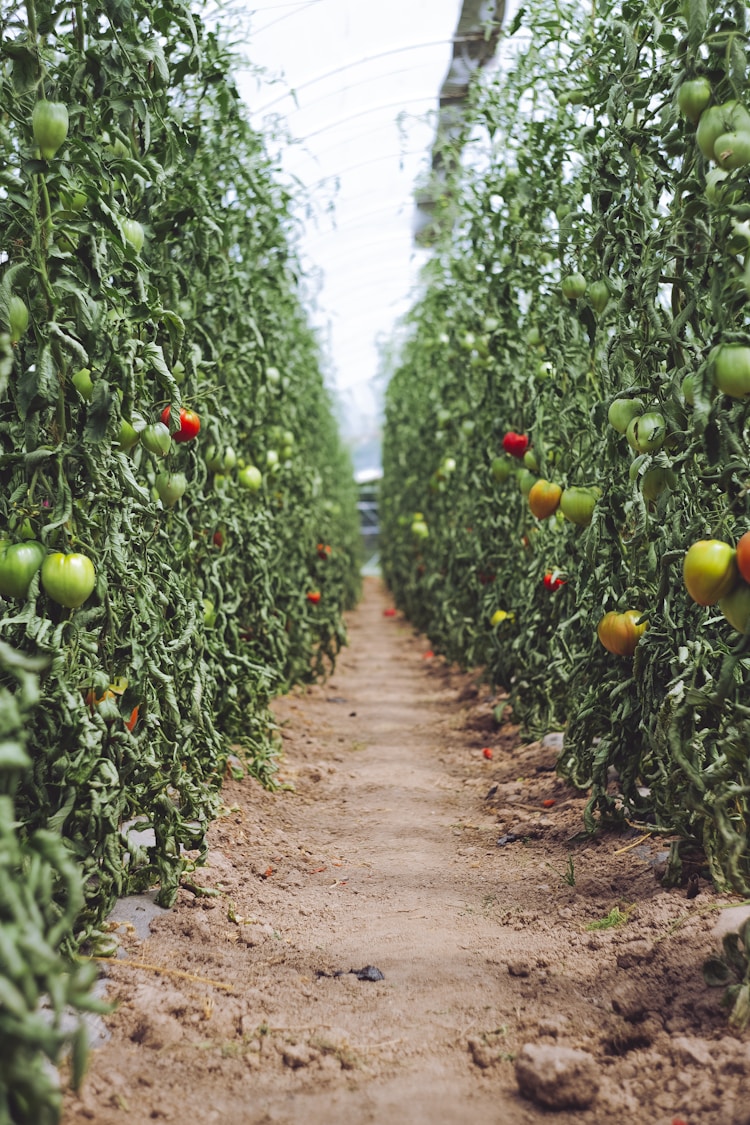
(487, 753)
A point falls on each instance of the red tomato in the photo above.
(487, 753)
(190, 423)
(548, 803)
(314, 596)
(743, 556)
(389, 613)
(515, 444)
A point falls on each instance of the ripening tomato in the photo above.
(620, 632)
(544, 498)
(190, 423)
(710, 570)
(68, 579)
(313, 596)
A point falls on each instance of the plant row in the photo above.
(566, 450)
(178, 526)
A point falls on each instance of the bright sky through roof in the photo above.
(358, 89)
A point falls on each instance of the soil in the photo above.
(395, 843)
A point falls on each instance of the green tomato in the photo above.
(179, 374)
(420, 529)
(82, 382)
(736, 607)
(127, 436)
(657, 480)
(500, 469)
(622, 411)
(250, 478)
(272, 459)
(68, 579)
(577, 505)
(731, 366)
(209, 613)
(19, 562)
(598, 294)
(573, 286)
(170, 487)
(646, 432)
(49, 122)
(688, 389)
(18, 318)
(157, 439)
(273, 376)
(717, 120)
(693, 97)
(134, 234)
(526, 481)
(530, 461)
(732, 150)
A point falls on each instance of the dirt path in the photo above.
(385, 853)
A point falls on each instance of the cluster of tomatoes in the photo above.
(716, 573)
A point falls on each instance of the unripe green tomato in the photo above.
(49, 122)
(736, 607)
(18, 318)
(533, 337)
(646, 432)
(577, 505)
(157, 439)
(732, 150)
(526, 481)
(420, 529)
(693, 97)
(731, 367)
(81, 380)
(170, 487)
(19, 562)
(250, 477)
(467, 426)
(209, 613)
(68, 579)
(598, 294)
(127, 436)
(655, 481)
(573, 286)
(530, 460)
(272, 459)
(273, 376)
(688, 389)
(501, 468)
(178, 372)
(718, 120)
(622, 411)
(134, 233)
